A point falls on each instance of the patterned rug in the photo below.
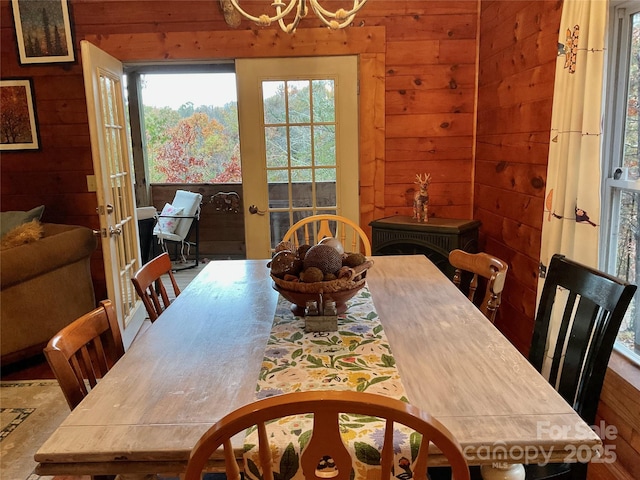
(29, 412)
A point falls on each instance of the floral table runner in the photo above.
(356, 357)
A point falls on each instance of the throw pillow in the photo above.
(22, 234)
(167, 224)
(10, 220)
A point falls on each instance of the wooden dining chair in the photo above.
(150, 287)
(326, 407)
(483, 265)
(83, 351)
(310, 230)
(590, 307)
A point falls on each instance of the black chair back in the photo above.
(595, 307)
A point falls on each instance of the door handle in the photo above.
(253, 210)
(115, 230)
(104, 209)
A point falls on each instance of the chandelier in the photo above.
(334, 20)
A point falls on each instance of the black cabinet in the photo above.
(403, 235)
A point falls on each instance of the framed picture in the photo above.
(43, 31)
(18, 129)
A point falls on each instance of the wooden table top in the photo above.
(201, 359)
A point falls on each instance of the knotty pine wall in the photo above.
(516, 71)
(423, 120)
(517, 54)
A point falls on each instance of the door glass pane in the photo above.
(279, 226)
(274, 102)
(278, 176)
(324, 142)
(300, 146)
(299, 215)
(276, 146)
(326, 188)
(628, 264)
(299, 98)
(278, 190)
(323, 101)
(302, 188)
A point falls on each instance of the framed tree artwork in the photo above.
(18, 128)
(43, 31)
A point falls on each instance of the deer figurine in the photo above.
(421, 198)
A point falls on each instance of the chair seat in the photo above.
(166, 235)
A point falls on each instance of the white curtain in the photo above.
(572, 198)
(572, 201)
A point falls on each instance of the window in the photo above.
(621, 190)
(190, 125)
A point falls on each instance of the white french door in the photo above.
(298, 121)
(110, 148)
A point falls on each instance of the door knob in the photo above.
(253, 210)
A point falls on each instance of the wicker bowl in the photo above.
(339, 290)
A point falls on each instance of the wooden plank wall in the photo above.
(515, 90)
(428, 65)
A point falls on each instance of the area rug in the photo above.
(29, 412)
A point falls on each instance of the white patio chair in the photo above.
(175, 221)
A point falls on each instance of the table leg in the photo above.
(502, 471)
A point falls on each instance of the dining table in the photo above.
(217, 346)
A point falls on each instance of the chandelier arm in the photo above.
(262, 19)
(301, 11)
(322, 12)
(334, 24)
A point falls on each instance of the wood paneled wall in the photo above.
(418, 105)
(518, 49)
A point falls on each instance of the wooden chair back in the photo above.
(83, 351)
(310, 230)
(326, 407)
(483, 265)
(590, 310)
(150, 287)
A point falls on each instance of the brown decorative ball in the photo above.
(324, 257)
(333, 242)
(311, 275)
(354, 259)
(285, 245)
(283, 262)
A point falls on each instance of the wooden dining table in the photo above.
(202, 358)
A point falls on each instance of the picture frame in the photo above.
(18, 124)
(43, 31)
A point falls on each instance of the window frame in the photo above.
(616, 90)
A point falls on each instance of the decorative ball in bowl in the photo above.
(339, 290)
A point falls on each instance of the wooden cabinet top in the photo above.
(435, 224)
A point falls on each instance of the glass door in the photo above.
(299, 144)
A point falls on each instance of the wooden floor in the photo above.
(36, 368)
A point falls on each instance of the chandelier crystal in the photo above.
(334, 20)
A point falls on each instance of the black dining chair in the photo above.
(590, 310)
